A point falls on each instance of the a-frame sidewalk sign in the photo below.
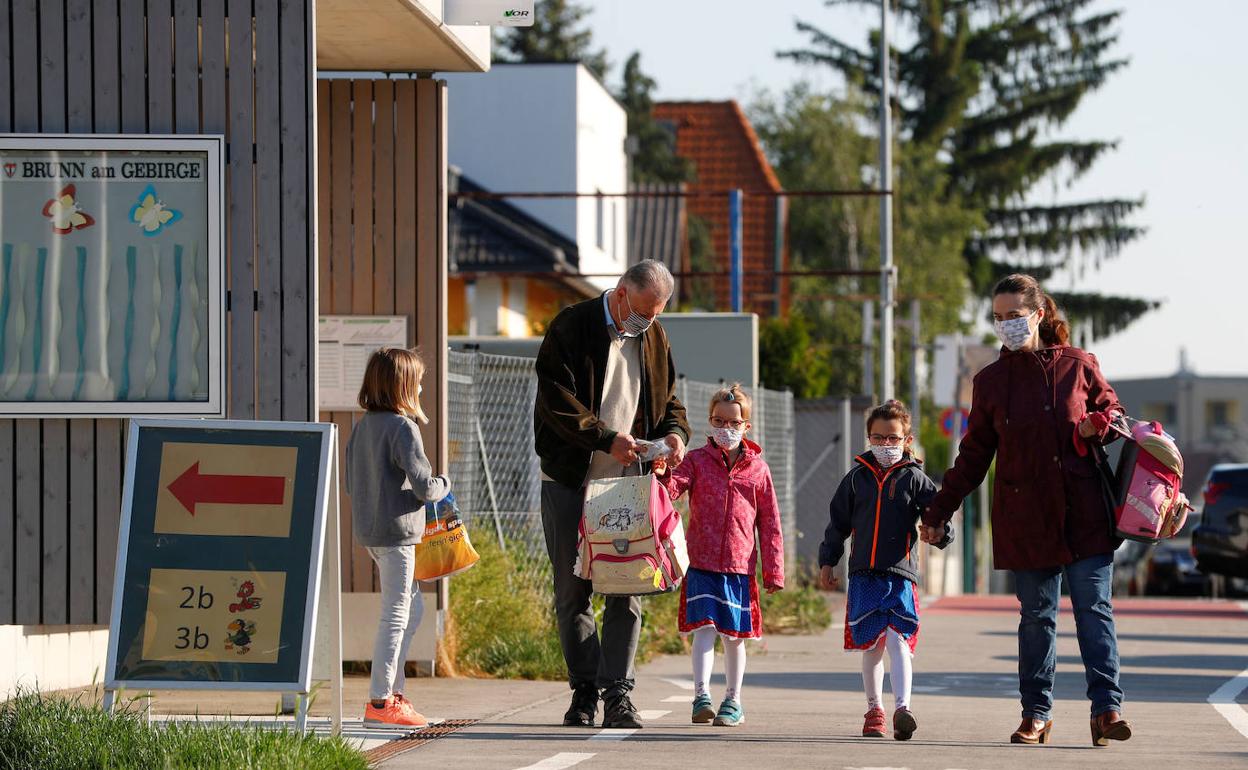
(227, 560)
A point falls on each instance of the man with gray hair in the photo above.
(605, 378)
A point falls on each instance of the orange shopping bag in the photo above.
(445, 549)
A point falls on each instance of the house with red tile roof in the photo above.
(726, 152)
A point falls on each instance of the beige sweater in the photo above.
(621, 391)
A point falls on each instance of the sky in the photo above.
(1178, 110)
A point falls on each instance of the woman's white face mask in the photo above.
(1014, 332)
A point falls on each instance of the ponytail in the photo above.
(1053, 328)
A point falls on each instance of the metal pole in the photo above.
(734, 247)
(868, 346)
(916, 346)
(887, 378)
(779, 255)
(955, 440)
(847, 438)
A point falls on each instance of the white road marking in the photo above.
(612, 734)
(684, 684)
(650, 715)
(679, 699)
(1224, 698)
(559, 761)
(927, 688)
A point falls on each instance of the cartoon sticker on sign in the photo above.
(190, 618)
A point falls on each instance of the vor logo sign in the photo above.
(515, 14)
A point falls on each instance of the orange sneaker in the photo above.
(395, 713)
(407, 704)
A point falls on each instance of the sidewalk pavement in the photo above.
(804, 703)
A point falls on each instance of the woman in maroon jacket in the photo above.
(1030, 409)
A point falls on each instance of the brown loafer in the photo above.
(1032, 731)
(1109, 726)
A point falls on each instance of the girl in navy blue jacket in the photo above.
(878, 505)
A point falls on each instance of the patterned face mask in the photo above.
(727, 439)
(887, 456)
(636, 323)
(1014, 332)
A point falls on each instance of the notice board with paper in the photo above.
(220, 554)
(343, 345)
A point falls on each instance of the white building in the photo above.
(546, 128)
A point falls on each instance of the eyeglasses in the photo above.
(882, 440)
(734, 424)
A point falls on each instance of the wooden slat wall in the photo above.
(160, 66)
(382, 217)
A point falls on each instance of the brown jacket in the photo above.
(1047, 506)
(571, 367)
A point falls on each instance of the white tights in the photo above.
(704, 661)
(901, 672)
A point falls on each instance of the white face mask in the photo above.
(1014, 332)
(727, 439)
(888, 456)
(636, 323)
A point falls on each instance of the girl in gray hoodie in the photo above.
(390, 479)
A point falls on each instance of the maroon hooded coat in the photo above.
(1048, 509)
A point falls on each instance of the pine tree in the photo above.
(655, 158)
(980, 86)
(556, 36)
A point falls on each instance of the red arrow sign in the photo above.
(192, 488)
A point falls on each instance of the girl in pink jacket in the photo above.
(731, 497)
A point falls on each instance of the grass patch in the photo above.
(801, 608)
(500, 625)
(51, 733)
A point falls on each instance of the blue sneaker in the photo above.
(730, 713)
(703, 711)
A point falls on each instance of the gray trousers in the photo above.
(401, 608)
(608, 663)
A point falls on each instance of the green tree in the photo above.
(654, 157)
(792, 359)
(981, 89)
(557, 35)
(816, 141)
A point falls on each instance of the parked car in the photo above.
(1130, 561)
(1220, 543)
(1170, 568)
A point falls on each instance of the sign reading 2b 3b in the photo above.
(219, 558)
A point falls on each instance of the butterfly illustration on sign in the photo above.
(65, 212)
(151, 214)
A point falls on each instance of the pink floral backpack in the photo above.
(1146, 491)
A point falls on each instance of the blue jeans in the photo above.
(1039, 591)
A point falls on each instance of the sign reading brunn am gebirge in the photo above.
(111, 262)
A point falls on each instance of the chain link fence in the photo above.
(495, 471)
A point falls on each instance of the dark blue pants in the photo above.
(1038, 592)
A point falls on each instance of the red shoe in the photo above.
(873, 727)
(395, 713)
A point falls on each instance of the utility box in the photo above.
(710, 347)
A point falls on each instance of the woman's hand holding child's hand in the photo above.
(827, 581)
(931, 535)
